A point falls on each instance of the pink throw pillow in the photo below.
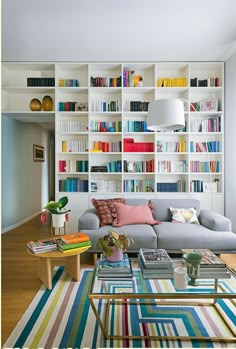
(126, 214)
(106, 213)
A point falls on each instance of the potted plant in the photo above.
(113, 245)
(58, 211)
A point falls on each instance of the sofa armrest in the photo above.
(214, 221)
(89, 220)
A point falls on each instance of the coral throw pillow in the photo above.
(126, 214)
(184, 215)
(106, 213)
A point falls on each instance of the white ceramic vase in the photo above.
(58, 220)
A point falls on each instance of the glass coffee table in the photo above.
(155, 301)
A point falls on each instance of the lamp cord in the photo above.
(208, 156)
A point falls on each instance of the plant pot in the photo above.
(58, 220)
(116, 256)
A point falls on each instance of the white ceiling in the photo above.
(118, 30)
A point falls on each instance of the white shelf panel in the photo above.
(28, 90)
(71, 90)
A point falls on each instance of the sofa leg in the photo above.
(95, 257)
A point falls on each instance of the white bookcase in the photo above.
(99, 108)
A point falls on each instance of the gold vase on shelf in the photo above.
(35, 104)
(47, 103)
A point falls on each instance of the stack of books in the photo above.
(155, 264)
(74, 242)
(40, 246)
(108, 270)
(211, 267)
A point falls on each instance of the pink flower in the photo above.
(43, 217)
(67, 216)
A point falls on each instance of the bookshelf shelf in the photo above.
(112, 101)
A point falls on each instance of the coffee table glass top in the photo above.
(161, 288)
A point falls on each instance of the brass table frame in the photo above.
(134, 298)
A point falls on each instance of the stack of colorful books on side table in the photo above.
(40, 246)
(108, 270)
(73, 242)
(211, 267)
(155, 264)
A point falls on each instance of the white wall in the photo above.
(230, 140)
(25, 183)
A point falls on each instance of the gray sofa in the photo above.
(213, 232)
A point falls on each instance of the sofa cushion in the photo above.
(136, 201)
(126, 214)
(174, 237)
(161, 209)
(184, 215)
(105, 211)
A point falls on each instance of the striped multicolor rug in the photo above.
(63, 318)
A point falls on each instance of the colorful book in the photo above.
(45, 249)
(78, 249)
(40, 244)
(63, 246)
(74, 238)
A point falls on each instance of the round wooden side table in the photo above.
(72, 263)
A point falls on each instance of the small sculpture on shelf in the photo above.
(82, 106)
(35, 104)
(47, 103)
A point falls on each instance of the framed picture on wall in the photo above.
(38, 153)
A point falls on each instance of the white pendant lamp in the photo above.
(166, 115)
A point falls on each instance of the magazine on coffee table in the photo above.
(209, 259)
(155, 258)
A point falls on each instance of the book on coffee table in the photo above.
(209, 259)
(154, 273)
(108, 270)
(155, 258)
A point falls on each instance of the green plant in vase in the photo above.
(113, 245)
(57, 209)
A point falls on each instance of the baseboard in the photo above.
(19, 223)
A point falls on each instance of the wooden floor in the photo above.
(20, 282)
